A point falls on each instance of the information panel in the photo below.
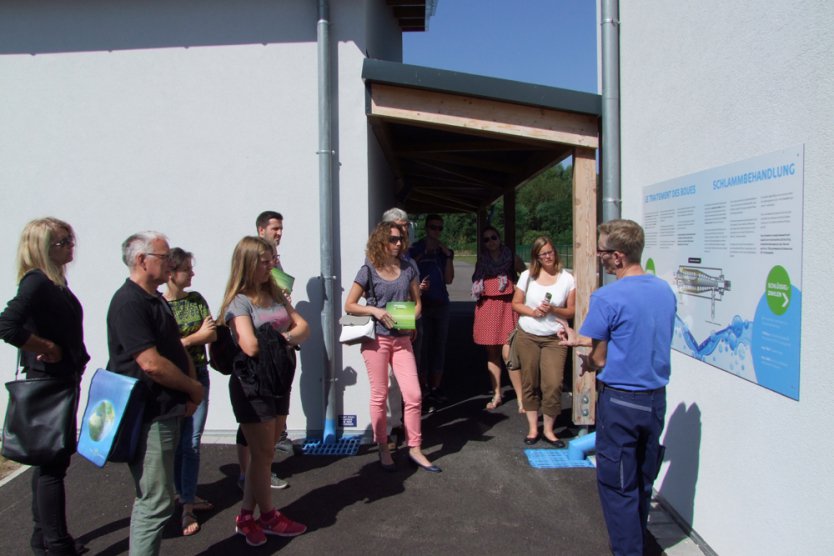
(729, 241)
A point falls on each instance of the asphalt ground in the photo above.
(488, 499)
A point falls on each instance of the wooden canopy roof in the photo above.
(457, 142)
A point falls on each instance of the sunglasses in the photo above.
(66, 242)
(489, 238)
(395, 239)
(435, 227)
(162, 256)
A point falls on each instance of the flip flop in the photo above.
(190, 525)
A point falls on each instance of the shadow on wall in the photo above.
(683, 448)
(126, 25)
(312, 358)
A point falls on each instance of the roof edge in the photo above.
(433, 79)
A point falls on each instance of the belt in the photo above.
(603, 387)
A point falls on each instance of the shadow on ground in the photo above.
(488, 500)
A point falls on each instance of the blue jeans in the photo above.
(187, 458)
(629, 455)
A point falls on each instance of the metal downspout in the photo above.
(328, 241)
(611, 192)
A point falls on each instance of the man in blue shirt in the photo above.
(629, 329)
(435, 263)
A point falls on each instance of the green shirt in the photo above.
(190, 312)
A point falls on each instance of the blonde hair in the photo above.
(377, 247)
(535, 263)
(33, 250)
(245, 259)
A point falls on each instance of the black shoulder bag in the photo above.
(40, 422)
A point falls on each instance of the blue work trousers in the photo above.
(629, 455)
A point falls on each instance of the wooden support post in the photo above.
(480, 224)
(584, 271)
(509, 219)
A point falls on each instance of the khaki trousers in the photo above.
(542, 372)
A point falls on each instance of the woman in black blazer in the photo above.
(44, 320)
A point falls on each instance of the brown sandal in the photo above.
(201, 505)
(190, 525)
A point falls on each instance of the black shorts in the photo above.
(256, 410)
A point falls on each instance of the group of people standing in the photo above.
(628, 328)
(161, 340)
(533, 304)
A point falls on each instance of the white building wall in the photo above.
(705, 84)
(188, 118)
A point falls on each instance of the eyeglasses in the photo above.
(435, 227)
(489, 238)
(546, 254)
(162, 256)
(605, 251)
(395, 239)
(66, 242)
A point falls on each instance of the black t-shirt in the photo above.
(136, 321)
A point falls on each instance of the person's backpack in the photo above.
(223, 350)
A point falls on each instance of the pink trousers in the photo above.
(397, 352)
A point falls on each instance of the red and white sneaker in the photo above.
(282, 526)
(251, 529)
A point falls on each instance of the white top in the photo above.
(533, 297)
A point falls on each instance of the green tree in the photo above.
(544, 206)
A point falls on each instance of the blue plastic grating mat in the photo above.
(553, 459)
(345, 446)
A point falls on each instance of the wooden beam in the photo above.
(438, 199)
(405, 104)
(453, 141)
(584, 271)
(509, 220)
(494, 164)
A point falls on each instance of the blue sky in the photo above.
(548, 42)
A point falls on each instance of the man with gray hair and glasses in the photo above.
(144, 342)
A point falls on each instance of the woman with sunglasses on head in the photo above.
(197, 329)
(44, 321)
(544, 295)
(254, 307)
(492, 288)
(390, 278)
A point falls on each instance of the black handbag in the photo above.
(40, 422)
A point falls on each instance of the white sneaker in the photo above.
(277, 482)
